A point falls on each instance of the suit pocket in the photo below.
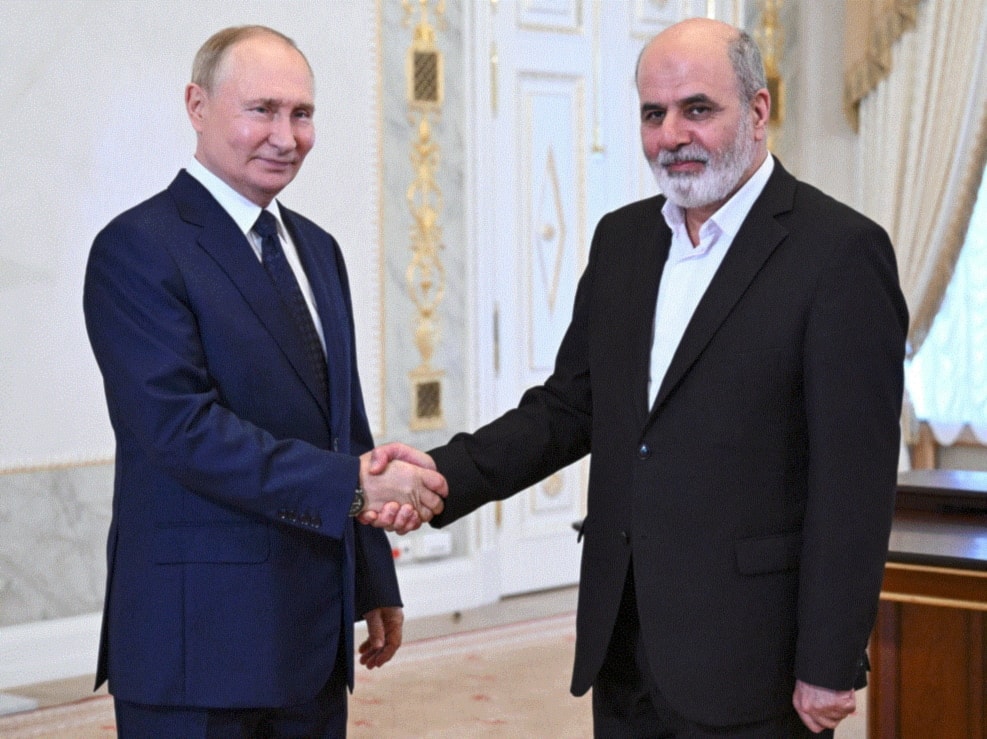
(211, 542)
(763, 554)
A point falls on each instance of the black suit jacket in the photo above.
(235, 571)
(755, 496)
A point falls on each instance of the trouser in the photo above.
(628, 705)
(323, 717)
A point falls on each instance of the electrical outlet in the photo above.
(402, 549)
(432, 545)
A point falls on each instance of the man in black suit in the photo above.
(734, 364)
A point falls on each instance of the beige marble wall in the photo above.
(399, 133)
(53, 527)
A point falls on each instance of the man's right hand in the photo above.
(402, 488)
(401, 517)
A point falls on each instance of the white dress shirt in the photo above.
(689, 269)
(245, 213)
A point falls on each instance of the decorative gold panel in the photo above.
(425, 275)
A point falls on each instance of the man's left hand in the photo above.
(384, 626)
(822, 708)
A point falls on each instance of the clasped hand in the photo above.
(402, 487)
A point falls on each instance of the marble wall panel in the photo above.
(399, 127)
(53, 526)
(399, 132)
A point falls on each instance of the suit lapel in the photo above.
(757, 238)
(225, 243)
(654, 242)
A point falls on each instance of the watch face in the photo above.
(358, 502)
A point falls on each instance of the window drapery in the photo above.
(947, 378)
(871, 28)
(920, 156)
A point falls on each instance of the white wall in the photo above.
(817, 143)
(93, 123)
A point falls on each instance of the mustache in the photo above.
(692, 153)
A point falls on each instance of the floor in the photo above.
(508, 610)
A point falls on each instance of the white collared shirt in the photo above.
(689, 269)
(245, 213)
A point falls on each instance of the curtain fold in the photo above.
(920, 153)
(922, 145)
(871, 29)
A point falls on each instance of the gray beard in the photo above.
(717, 180)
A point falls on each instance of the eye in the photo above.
(652, 116)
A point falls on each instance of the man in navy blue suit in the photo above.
(222, 324)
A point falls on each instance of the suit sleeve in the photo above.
(853, 376)
(167, 406)
(376, 579)
(550, 428)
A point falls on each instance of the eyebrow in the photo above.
(683, 103)
(277, 103)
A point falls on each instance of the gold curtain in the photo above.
(871, 29)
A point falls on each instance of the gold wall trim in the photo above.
(932, 585)
(933, 570)
(924, 600)
(425, 275)
(55, 466)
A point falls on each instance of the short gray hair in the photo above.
(745, 57)
(210, 56)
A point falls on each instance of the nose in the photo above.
(282, 134)
(673, 133)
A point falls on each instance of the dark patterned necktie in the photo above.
(276, 264)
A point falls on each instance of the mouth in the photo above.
(277, 163)
(682, 165)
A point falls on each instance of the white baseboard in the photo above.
(441, 586)
(48, 650)
(67, 647)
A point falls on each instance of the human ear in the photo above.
(195, 101)
(761, 111)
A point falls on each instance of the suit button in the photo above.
(644, 451)
(335, 443)
(626, 537)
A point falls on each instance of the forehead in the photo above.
(265, 65)
(675, 69)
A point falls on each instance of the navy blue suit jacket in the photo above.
(755, 496)
(234, 568)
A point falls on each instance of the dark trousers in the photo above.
(323, 717)
(628, 705)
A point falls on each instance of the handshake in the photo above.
(401, 487)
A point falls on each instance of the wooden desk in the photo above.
(929, 647)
